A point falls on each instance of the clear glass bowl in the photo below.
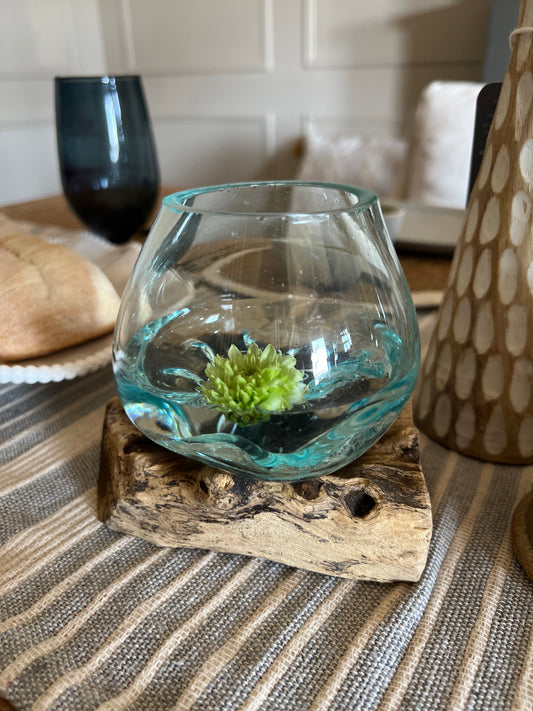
(267, 328)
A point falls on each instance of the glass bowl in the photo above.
(267, 328)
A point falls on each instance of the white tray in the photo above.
(432, 230)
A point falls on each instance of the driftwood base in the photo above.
(370, 520)
(522, 533)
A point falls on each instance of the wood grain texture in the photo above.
(370, 520)
(5, 705)
(522, 533)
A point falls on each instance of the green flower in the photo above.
(246, 387)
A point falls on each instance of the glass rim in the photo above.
(365, 199)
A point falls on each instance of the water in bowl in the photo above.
(356, 387)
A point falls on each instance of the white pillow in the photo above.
(441, 144)
(374, 163)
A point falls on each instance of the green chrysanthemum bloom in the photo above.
(246, 387)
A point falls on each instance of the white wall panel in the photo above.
(231, 84)
(374, 100)
(37, 38)
(29, 166)
(200, 36)
(44, 38)
(26, 101)
(350, 33)
(197, 150)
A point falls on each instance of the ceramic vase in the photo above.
(475, 391)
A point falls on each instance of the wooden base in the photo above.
(522, 533)
(370, 520)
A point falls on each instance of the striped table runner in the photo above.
(92, 619)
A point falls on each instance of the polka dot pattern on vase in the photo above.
(495, 434)
(493, 378)
(465, 373)
(471, 220)
(461, 321)
(520, 216)
(520, 389)
(526, 160)
(483, 274)
(476, 384)
(508, 276)
(465, 426)
(500, 172)
(523, 100)
(464, 273)
(490, 223)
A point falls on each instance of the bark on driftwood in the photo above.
(522, 533)
(370, 520)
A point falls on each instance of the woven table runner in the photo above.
(93, 619)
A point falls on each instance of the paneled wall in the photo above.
(231, 84)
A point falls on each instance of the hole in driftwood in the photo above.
(137, 443)
(204, 487)
(359, 503)
(308, 490)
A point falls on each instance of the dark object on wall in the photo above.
(485, 108)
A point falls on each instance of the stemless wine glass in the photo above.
(267, 328)
(107, 155)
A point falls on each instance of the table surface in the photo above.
(93, 619)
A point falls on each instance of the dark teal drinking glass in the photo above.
(107, 155)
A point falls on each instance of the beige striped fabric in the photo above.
(92, 619)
